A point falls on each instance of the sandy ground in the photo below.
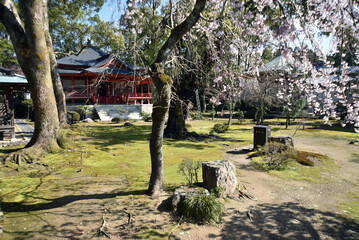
(290, 209)
(285, 209)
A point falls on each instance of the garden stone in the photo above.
(221, 173)
(283, 139)
(88, 120)
(97, 120)
(183, 192)
(128, 124)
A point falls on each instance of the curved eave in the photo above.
(109, 77)
(16, 86)
(72, 75)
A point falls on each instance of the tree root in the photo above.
(32, 152)
(101, 231)
(248, 195)
(170, 233)
(26, 155)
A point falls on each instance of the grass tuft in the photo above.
(202, 208)
(350, 209)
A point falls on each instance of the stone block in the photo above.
(221, 173)
(283, 139)
(182, 193)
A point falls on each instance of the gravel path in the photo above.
(26, 129)
(23, 134)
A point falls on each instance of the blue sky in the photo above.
(109, 10)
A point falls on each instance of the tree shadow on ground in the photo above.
(9, 150)
(71, 216)
(217, 137)
(195, 146)
(63, 201)
(242, 151)
(166, 205)
(355, 158)
(334, 127)
(82, 216)
(288, 221)
(105, 136)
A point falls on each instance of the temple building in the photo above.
(94, 77)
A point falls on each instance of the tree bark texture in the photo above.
(163, 84)
(32, 52)
(56, 80)
(176, 123)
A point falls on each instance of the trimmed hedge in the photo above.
(117, 120)
(72, 117)
(220, 128)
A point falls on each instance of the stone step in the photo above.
(108, 112)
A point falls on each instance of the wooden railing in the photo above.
(139, 95)
(112, 100)
(76, 94)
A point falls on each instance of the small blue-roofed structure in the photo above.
(9, 81)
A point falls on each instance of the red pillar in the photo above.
(73, 88)
(72, 84)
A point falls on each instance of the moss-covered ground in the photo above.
(118, 156)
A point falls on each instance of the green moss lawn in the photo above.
(117, 154)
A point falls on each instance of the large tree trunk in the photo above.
(176, 124)
(163, 85)
(58, 89)
(56, 80)
(32, 52)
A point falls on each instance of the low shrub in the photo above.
(117, 120)
(218, 191)
(72, 117)
(147, 117)
(213, 115)
(240, 116)
(190, 169)
(202, 208)
(276, 156)
(196, 115)
(83, 110)
(220, 128)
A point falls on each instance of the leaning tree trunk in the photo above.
(32, 52)
(163, 85)
(176, 124)
(160, 108)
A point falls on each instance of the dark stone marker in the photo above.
(261, 134)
